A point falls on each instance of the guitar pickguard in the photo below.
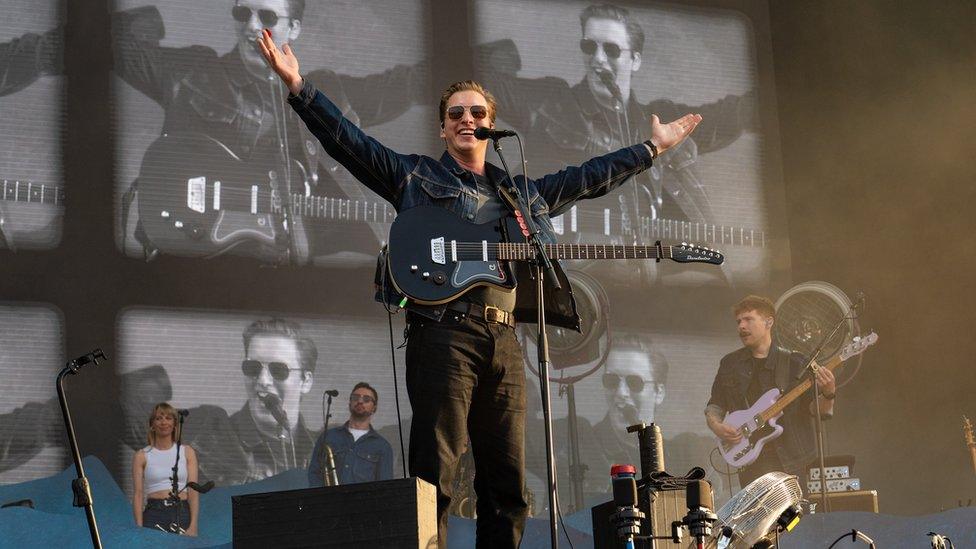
(243, 226)
(467, 272)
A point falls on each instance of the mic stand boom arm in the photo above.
(543, 265)
(80, 486)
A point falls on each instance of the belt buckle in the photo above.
(168, 503)
(496, 315)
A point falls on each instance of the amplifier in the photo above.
(668, 506)
(841, 471)
(388, 513)
(861, 500)
(835, 485)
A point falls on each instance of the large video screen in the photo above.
(196, 360)
(31, 126)
(578, 80)
(32, 437)
(210, 156)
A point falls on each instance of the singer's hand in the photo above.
(192, 531)
(282, 61)
(665, 136)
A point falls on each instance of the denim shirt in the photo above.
(411, 180)
(364, 460)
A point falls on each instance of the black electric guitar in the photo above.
(197, 198)
(435, 256)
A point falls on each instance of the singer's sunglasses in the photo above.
(279, 370)
(634, 382)
(477, 112)
(365, 398)
(243, 14)
(588, 46)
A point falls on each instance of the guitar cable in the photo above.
(727, 473)
(384, 287)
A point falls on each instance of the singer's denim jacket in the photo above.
(365, 460)
(411, 180)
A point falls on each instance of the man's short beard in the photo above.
(360, 417)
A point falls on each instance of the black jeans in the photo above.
(159, 516)
(466, 377)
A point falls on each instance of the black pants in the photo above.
(159, 516)
(466, 377)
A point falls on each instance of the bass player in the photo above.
(746, 374)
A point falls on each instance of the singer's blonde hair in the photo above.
(167, 409)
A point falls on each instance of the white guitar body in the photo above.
(755, 432)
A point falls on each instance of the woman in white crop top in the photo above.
(152, 471)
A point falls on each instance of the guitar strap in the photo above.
(781, 367)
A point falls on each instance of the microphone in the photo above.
(183, 413)
(273, 404)
(700, 517)
(607, 78)
(628, 516)
(332, 393)
(488, 133)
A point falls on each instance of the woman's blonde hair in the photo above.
(165, 408)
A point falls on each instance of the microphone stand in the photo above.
(818, 420)
(175, 493)
(79, 486)
(543, 266)
(326, 450)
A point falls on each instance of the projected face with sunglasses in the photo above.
(632, 391)
(273, 366)
(605, 48)
(466, 111)
(250, 16)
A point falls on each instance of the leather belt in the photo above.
(483, 312)
(154, 503)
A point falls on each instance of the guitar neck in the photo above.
(26, 191)
(516, 251)
(613, 223)
(346, 209)
(795, 392)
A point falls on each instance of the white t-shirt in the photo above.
(356, 433)
(159, 468)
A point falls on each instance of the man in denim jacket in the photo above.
(465, 374)
(361, 454)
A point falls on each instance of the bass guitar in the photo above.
(758, 426)
(435, 256)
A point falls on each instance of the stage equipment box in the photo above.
(668, 506)
(857, 500)
(389, 513)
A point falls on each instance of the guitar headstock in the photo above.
(690, 253)
(858, 345)
(967, 429)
